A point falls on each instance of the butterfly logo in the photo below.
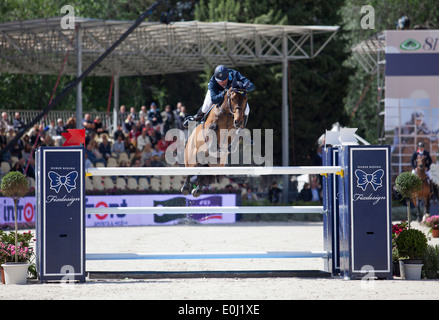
(374, 179)
(68, 181)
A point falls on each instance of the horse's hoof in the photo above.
(185, 190)
(196, 192)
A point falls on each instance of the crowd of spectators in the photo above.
(140, 135)
(137, 141)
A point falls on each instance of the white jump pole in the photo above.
(208, 255)
(210, 210)
(230, 171)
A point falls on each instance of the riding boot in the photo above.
(200, 114)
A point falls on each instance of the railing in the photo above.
(27, 115)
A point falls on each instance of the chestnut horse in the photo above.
(425, 192)
(210, 143)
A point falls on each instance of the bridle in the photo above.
(242, 92)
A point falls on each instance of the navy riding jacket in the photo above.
(217, 92)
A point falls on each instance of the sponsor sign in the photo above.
(26, 209)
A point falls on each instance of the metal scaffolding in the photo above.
(39, 46)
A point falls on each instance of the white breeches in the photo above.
(208, 103)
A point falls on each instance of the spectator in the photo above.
(93, 154)
(274, 193)
(88, 163)
(122, 115)
(142, 140)
(60, 128)
(147, 153)
(134, 115)
(51, 128)
(177, 110)
(305, 194)
(153, 137)
(157, 152)
(154, 115)
(163, 144)
(4, 122)
(88, 124)
(99, 127)
(141, 123)
(128, 124)
(27, 151)
(180, 119)
(133, 134)
(105, 147)
(168, 118)
(143, 112)
(17, 148)
(71, 123)
(18, 124)
(17, 166)
(155, 162)
(250, 195)
(315, 191)
(130, 148)
(118, 145)
(136, 161)
(118, 132)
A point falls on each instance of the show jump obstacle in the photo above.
(356, 211)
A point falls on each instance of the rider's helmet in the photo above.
(421, 145)
(221, 73)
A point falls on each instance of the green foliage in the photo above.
(407, 184)
(411, 244)
(14, 185)
(431, 261)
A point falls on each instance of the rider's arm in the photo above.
(247, 83)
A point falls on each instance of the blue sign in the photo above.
(60, 213)
(365, 211)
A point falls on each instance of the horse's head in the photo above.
(237, 102)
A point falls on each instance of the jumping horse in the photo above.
(425, 192)
(211, 141)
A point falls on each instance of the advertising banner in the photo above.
(26, 209)
(411, 94)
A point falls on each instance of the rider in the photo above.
(422, 152)
(220, 82)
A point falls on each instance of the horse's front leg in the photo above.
(427, 208)
(186, 188)
(418, 210)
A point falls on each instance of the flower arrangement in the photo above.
(432, 222)
(23, 249)
(396, 231)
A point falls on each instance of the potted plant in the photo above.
(411, 244)
(396, 230)
(15, 186)
(7, 249)
(432, 222)
(407, 184)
